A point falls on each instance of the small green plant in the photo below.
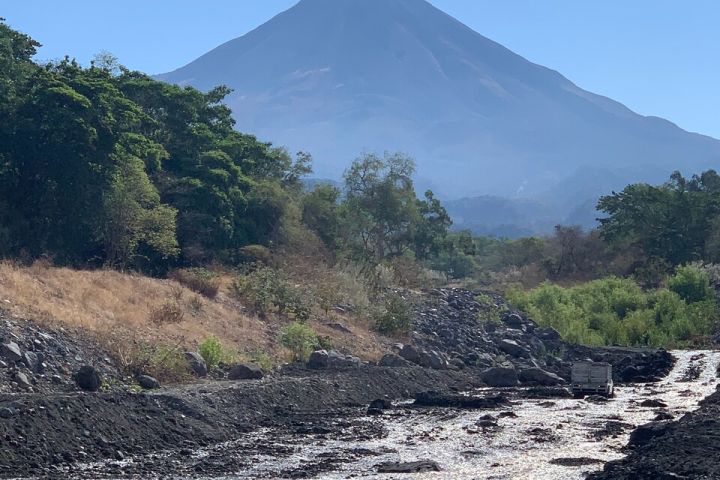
(301, 339)
(199, 280)
(395, 317)
(491, 311)
(692, 284)
(213, 352)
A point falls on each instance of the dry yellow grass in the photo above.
(118, 309)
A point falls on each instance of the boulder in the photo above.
(197, 363)
(652, 402)
(11, 352)
(7, 412)
(87, 378)
(504, 376)
(410, 353)
(514, 320)
(511, 347)
(436, 361)
(322, 359)
(547, 333)
(245, 371)
(408, 467)
(392, 360)
(147, 382)
(22, 380)
(540, 377)
(33, 361)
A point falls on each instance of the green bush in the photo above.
(617, 311)
(266, 290)
(213, 352)
(692, 283)
(395, 317)
(301, 339)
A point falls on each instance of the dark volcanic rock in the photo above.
(87, 378)
(645, 433)
(377, 406)
(245, 371)
(147, 382)
(440, 399)
(322, 359)
(652, 402)
(197, 364)
(11, 352)
(392, 360)
(408, 467)
(499, 376)
(540, 377)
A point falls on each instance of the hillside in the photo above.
(336, 77)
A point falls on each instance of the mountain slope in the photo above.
(336, 77)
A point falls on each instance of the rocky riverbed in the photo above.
(488, 385)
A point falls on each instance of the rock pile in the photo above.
(39, 359)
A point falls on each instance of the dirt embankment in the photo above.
(458, 343)
(684, 449)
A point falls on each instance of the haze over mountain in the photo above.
(338, 77)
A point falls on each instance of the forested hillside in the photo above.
(102, 167)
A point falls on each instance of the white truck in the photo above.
(592, 378)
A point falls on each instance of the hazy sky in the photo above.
(658, 57)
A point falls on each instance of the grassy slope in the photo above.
(116, 307)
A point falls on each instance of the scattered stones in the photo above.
(147, 382)
(505, 376)
(245, 371)
(408, 467)
(88, 379)
(440, 399)
(197, 363)
(596, 399)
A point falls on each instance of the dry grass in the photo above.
(121, 310)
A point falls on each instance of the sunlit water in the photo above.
(466, 451)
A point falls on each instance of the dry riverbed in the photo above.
(554, 438)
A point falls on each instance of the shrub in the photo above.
(167, 313)
(213, 352)
(692, 283)
(617, 311)
(266, 290)
(167, 363)
(395, 317)
(301, 339)
(199, 280)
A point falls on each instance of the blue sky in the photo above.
(658, 57)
